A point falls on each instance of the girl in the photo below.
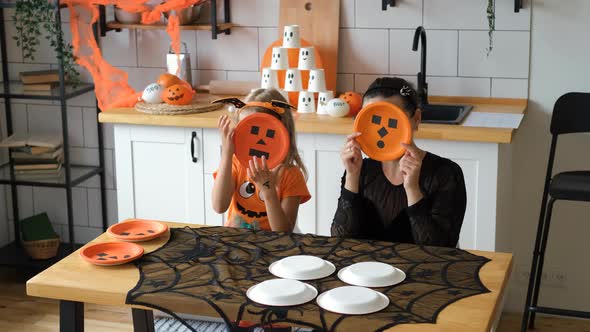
(419, 198)
(258, 197)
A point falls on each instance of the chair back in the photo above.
(571, 114)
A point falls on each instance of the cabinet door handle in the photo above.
(193, 140)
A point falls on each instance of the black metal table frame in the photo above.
(71, 318)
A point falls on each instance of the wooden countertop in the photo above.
(73, 279)
(313, 123)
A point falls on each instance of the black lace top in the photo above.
(380, 210)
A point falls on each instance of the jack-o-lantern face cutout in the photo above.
(250, 201)
(383, 126)
(261, 135)
(178, 94)
(354, 100)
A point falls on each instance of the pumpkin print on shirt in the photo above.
(247, 208)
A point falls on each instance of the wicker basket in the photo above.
(42, 249)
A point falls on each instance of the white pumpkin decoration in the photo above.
(152, 93)
(337, 108)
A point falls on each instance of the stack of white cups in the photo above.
(306, 61)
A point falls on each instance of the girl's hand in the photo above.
(226, 130)
(410, 165)
(264, 178)
(351, 155)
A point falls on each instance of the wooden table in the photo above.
(75, 282)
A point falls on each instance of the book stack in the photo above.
(44, 80)
(40, 155)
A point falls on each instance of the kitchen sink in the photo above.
(446, 114)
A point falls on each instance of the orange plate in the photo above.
(111, 253)
(136, 230)
(261, 134)
(383, 126)
(293, 55)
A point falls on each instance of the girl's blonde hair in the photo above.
(267, 95)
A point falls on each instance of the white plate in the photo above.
(281, 292)
(371, 274)
(302, 267)
(353, 300)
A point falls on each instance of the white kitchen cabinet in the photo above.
(160, 173)
(157, 178)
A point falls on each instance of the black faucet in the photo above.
(422, 89)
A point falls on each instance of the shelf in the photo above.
(15, 256)
(17, 92)
(12, 4)
(79, 174)
(222, 27)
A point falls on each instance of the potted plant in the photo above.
(491, 14)
(31, 16)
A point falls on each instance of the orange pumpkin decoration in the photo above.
(383, 126)
(167, 80)
(178, 94)
(261, 134)
(354, 100)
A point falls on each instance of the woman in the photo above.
(419, 198)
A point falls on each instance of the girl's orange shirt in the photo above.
(247, 208)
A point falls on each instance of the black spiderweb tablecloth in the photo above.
(208, 270)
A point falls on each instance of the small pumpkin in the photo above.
(178, 94)
(167, 80)
(354, 100)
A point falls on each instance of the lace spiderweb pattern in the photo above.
(208, 270)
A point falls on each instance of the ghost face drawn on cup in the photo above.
(306, 58)
(269, 79)
(293, 80)
(323, 99)
(291, 37)
(306, 102)
(279, 58)
(317, 81)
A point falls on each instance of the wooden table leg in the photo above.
(143, 320)
(71, 316)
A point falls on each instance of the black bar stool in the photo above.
(571, 114)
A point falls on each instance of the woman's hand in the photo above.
(351, 155)
(264, 178)
(352, 159)
(226, 130)
(410, 165)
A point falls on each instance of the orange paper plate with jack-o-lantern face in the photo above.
(259, 135)
(383, 126)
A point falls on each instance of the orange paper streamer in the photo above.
(112, 88)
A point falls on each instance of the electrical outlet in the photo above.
(551, 277)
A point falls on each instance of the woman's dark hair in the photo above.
(385, 87)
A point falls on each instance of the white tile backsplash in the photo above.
(347, 13)
(345, 82)
(52, 201)
(266, 36)
(353, 56)
(402, 60)
(508, 59)
(206, 76)
(443, 51)
(237, 51)
(120, 49)
(153, 45)
(459, 86)
(252, 76)
(255, 13)
(406, 14)
(510, 88)
(507, 19)
(456, 14)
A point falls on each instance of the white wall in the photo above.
(559, 63)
